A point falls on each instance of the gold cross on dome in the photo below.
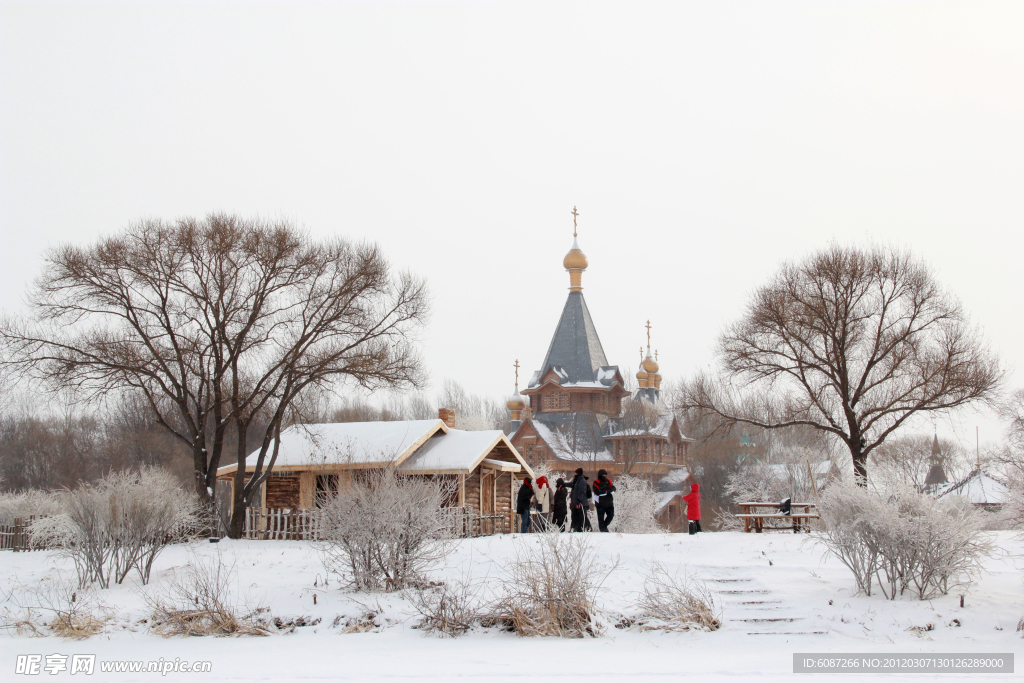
(517, 374)
(575, 213)
(648, 334)
(641, 354)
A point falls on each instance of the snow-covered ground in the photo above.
(777, 593)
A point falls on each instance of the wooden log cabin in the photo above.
(318, 459)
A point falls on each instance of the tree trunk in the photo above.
(860, 464)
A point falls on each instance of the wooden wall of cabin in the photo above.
(505, 498)
(283, 491)
(473, 490)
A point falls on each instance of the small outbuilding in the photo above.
(315, 460)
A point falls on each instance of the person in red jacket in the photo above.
(693, 508)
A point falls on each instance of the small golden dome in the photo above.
(656, 379)
(575, 258)
(517, 402)
(641, 375)
(650, 365)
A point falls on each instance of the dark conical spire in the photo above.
(575, 346)
(936, 475)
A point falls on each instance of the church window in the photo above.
(556, 401)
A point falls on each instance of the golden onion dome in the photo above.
(656, 378)
(650, 365)
(641, 375)
(516, 402)
(575, 258)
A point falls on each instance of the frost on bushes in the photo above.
(636, 506)
(27, 504)
(120, 523)
(904, 540)
(385, 532)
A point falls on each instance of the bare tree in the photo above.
(850, 342)
(219, 323)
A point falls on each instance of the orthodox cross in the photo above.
(641, 354)
(648, 334)
(574, 214)
(517, 375)
(655, 354)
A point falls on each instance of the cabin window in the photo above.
(644, 445)
(326, 488)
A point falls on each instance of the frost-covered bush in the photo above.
(384, 532)
(636, 506)
(26, 504)
(676, 602)
(905, 540)
(120, 523)
(198, 601)
(550, 586)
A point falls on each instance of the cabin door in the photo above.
(487, 492)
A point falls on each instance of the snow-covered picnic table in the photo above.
(750, 514)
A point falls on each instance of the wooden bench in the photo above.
(750, 514)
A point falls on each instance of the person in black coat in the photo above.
(523, 499)
(603, 488)
(559, 506)
(579, 500)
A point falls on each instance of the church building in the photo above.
(576, 410)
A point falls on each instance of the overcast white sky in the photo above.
(703, 143)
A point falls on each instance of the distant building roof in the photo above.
(979, 488)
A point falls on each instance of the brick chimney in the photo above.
(448, 415)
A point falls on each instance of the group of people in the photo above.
(574, 499)
(567, 502)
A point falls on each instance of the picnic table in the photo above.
(751, 514)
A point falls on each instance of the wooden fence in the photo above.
(14, 535)
(286, 524)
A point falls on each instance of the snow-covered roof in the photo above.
(979, 488)
(676, 476)
(659, 427)
(413, 445)
(349, 443)
(664, 498)
(548, 436)
(456, 450)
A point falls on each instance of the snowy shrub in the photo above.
(120, 523)
(449, 609)
(906, 540)
(385, 532)
(676, 602)
(56, 604)
(550, 586)
(198, 602)
(26, 504)
(636, 506)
